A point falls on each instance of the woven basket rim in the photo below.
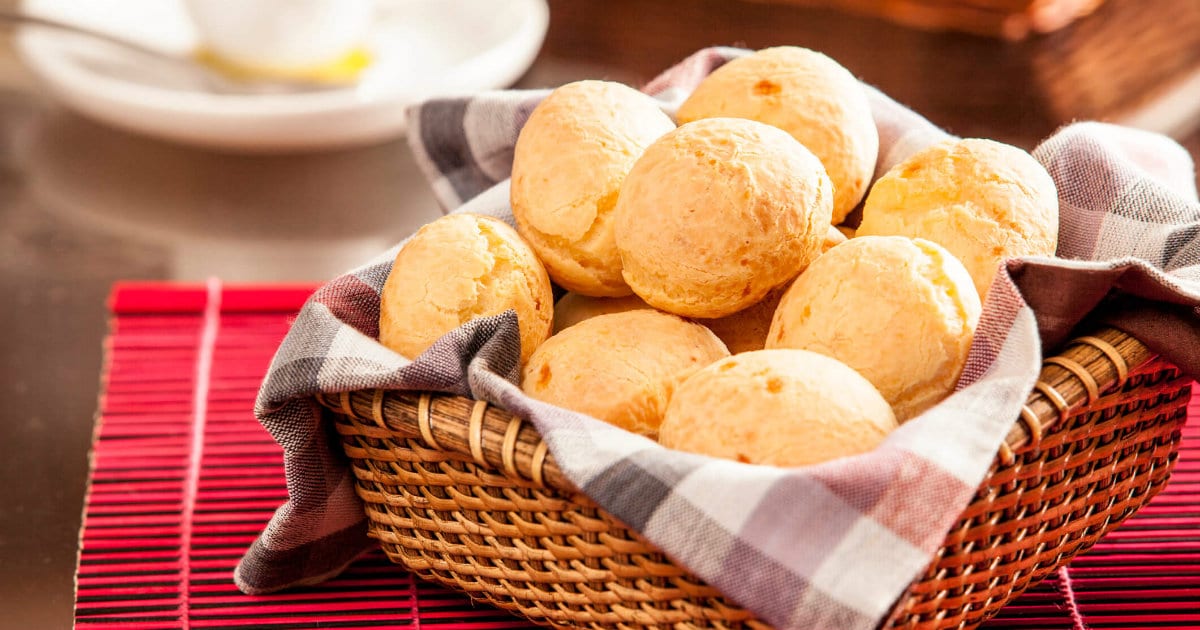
(1085, 368)
(452, 441)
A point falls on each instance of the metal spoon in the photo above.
(166, 68)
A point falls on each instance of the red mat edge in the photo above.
(131, 297)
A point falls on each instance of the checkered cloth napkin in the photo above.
(831, 545)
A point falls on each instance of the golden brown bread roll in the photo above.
(902, 312)
(458, 268)
(569, 162)
(572, 308)
(743, 331)
(808, 95)
(835, 236)
(982, 200)
(719, 212)
(620, 367)
(746, 330)
(776, 407)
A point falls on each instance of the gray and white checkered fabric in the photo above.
(826, 546)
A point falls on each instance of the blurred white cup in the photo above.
(281, 34)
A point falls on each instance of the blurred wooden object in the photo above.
(1133, 62)
(1007, 19)
(1140, 66)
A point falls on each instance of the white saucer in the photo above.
(421, 49)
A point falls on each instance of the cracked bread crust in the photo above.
(719, 212)
(776, 407)
(568, 165)
(808, 95)
(572, 308)
(742, 331)
(982, 200)
(458, 268)
(902, 312)
(621, 367)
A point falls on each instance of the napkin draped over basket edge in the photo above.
(831, 545)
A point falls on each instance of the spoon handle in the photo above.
(25, 19)
(209, 79)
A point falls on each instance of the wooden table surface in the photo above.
(83, 205)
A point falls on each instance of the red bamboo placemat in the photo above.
(183, 478)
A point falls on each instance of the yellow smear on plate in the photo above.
(344, 69)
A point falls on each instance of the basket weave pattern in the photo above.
(467, 495)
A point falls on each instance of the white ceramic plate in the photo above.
(420, 48)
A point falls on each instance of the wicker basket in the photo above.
(466, 495)
(1009, 19)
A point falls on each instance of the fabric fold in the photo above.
(831, 545)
